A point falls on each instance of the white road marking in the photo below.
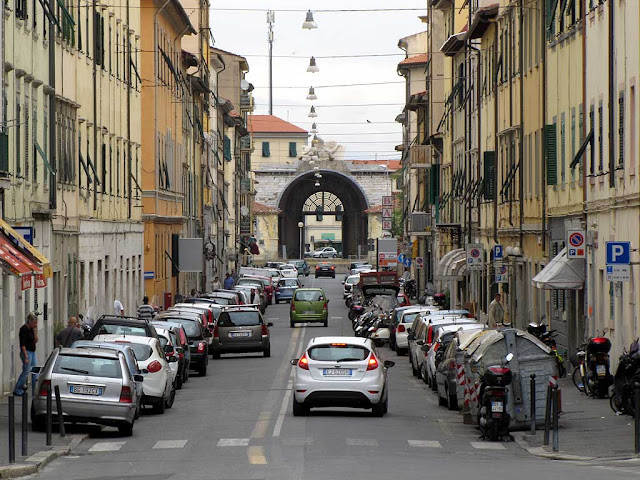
(487, 446)
(272, 319)
(293, 442)
(336, 318)
(161, 444)
(362, 442)
(107, 446)
(424, 443)
(233, 442)
(283, 409)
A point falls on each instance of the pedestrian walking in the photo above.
(234, 275)
(28, 336)
(146, 311)
(216, 285)
(229, 282)
(118, 308)
(496, 312)
(70, 334)
(193, 293)
(253, 296)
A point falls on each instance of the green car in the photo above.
(309, 305)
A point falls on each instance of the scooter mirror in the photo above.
(509, 357)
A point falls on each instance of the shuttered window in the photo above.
(293, 149)
(621, 130)
(592, 126)
(265, 149)
(490, 175)
(227, 148)
(600, 137)
(434, 184)
(550, 137)
(563, 149)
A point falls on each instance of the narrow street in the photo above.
(237, 424)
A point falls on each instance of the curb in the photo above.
(39, 460)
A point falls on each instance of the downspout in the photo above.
(521, 142)
(588, 283)
(543, 53)
(612, 89)
(479, 123)
(53, 190)
(129, 162)
(495, 133)
(511, 83)
(96, 31)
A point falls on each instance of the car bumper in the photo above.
(153, 388)
(241, 347)
(401, 340)
(305, 318)
(320, 273)
(85, 411)
(346, 396)
(197, 359)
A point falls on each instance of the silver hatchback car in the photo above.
(96, 386)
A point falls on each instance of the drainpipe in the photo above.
(590, 270)
(495, 132)
(96, 30)
(521, 142)
(543, 41)
(612, 96)
(53, 190)
(129, 162)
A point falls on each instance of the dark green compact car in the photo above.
(302, 266)
(309, 305)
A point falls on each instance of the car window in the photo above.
(191, 328)
(309, 295)
(289, 282)
(338, 352)
(353, 280)
(91, 366)
(237, 319)
(141, 352)
(164, 341)
(450, 352)
(174, 338)
(106, 329)
(221, 300)
(409, 317)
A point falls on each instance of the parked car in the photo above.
(267, 286)
(348, 284)
(401, 320)
(285, 289)
(168, 342)
(241, 330)
(309, 305)
(340, 372)
(403, 300)
(356, 264)
(183, 352)
(325, 269)
(222, 297)
(274, 264)
(302, 266)
(199, 339)
(205, 313)
(115, 325)
(96, 386)
(260, 299)
(326, 252)
(362, 268)
(288, 270)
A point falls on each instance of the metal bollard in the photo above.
(532, 392)
(25, 423)
(636, 391)
(547, 415)
(49, 415)
(59, 410)
(556, 407)
(12, 429)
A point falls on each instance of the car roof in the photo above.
(459, 326)
(117, 319)
(359, 341)
(108, 345)
(310, 288)
(452, 321)
(87, 352)
(127, 338)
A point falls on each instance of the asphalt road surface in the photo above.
(236, 424)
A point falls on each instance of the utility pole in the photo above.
(271, 19)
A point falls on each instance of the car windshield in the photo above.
(353, 280)
(291, 282)
(191, 328)
(249, 281)
(221, 300)
(338, 353)
(237, 319)
(385, 302)
(309, 295)
(88, 366)
(106, 329)
(409, 317)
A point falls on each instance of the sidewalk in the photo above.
(38, 452)
(589, 430)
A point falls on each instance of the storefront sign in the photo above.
(26, 281)
(41, 282)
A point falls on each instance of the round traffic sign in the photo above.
(475, 253)
(576, 239)
(407, 262)
(401, 257)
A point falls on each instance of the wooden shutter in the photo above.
(434, 184)
(227, 148)
(550, 135)
(489, 175)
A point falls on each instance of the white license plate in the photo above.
(82, 390)
(497, 407)
(309, 312)
(240, 334)
(601, 370)
(337, 372)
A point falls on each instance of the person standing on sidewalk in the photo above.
(28, 338)
(229, 282)
(118, 308)
(216, 285)
(496, 312)
(70, 334)
(146, 311)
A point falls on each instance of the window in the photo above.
(27, 147)
(227, 148)
(573, 141)
(34, 108)
(550, 136)
(265, 149)
(563, 153)
(489, 175)
(18, 144)
(293, 149)
(632, 128)
(621, 130)
(592, 126)
(21, 9)
(600, 137)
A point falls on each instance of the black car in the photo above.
(117, 325)
(198, 336)
(325, 269)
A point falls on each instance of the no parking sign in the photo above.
(576, 244)
(475, 256)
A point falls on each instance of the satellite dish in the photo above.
(244, 210)
(244, 85)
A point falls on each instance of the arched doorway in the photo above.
(335, 190)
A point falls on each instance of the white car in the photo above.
(365, 268)
(405, 319)
(158, 388)
(165, 337)
(349, 283)
(340, 372)
(288, 271)
(326, 252)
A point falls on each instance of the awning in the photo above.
(14, 261)
(561, 273)
(36, 262)
(452, 266)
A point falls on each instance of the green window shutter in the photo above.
(293, 149)
(550, 137)
(227, 148)
(265, 149)
(4, 152)
(489, 175)
(434, 184)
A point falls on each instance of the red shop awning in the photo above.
(13, 260)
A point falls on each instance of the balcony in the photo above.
(421, 156)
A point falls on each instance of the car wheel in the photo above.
(325, 323)
(316, 276)
(38, 423)
(419, 373)
(138, 412)
(159, 407)
(277, 302)
(401, 351)
(434, 385)
(452, 402)
(299, 410)
(126, 429)
(267, 351)
(202, 370)
(378, 343)
(179, 381)
(291, 324)
(172, 396)
(186, 372)
(414, 370)
(442, 401)
(380, 408)
(215, 354)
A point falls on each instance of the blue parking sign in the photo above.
(498, 252)
(618, 253)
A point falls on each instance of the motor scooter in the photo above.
(493, 419)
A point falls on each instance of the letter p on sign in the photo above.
(618, 253)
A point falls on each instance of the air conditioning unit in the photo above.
(420, 222)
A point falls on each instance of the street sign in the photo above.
(387, 201)
(618, 273)
(26, 232)
(419, 262)
(387, 212)
(576, 244)
(387, 260)
(475, 256)
(618, 253)
(407, 262)
(387, 225)
(498, 252)
(401, 257)
(502, 278)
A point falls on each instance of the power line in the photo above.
(335, 105)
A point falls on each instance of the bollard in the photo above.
(49, 415)
(25, 423)
(12, 429)
(556, 406)
(59, 410)
(547, 415)
(636, 391)
(532, 392)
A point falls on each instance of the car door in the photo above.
(446, 366)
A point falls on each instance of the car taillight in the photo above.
(277, 289)
(436, 346)
(333, 268)
(201, 346)
(293, 306)
(372, 364)
(154, 367)
(216, 332)
(210, 316)
(265, 329)
(401, 329)
(325, 307)
(304, 362)
(317, 268)
(125, 395)
(44, 387)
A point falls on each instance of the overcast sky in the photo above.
(338, 33)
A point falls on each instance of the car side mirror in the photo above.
(138, 378)
(179, 350)
(172, 359)
(342, 283)
(270, 324)
(425, 348)
(293, 361)
(420, 342)
(36, 370)
(388, 363)
(169, 350)
(327, 300)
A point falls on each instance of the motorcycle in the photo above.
(539, 330)
(493, 419)
(411, 288)
(591, 375)
(627, 375)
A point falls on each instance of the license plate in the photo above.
(497, 407)
(308, 312)
(337, 372)
(601, 370)
(240, 334)
(82, 390)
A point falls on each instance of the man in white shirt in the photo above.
(118, 308)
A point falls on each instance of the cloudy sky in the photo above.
(343, 112)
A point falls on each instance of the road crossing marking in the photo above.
(256, 456)
(162, 444)
(107, 446)
(487, 446)
(295, 442)
(362, 442)
(424, 443)
(233, 442)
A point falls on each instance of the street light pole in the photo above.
(271, 18)
(300, 226)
